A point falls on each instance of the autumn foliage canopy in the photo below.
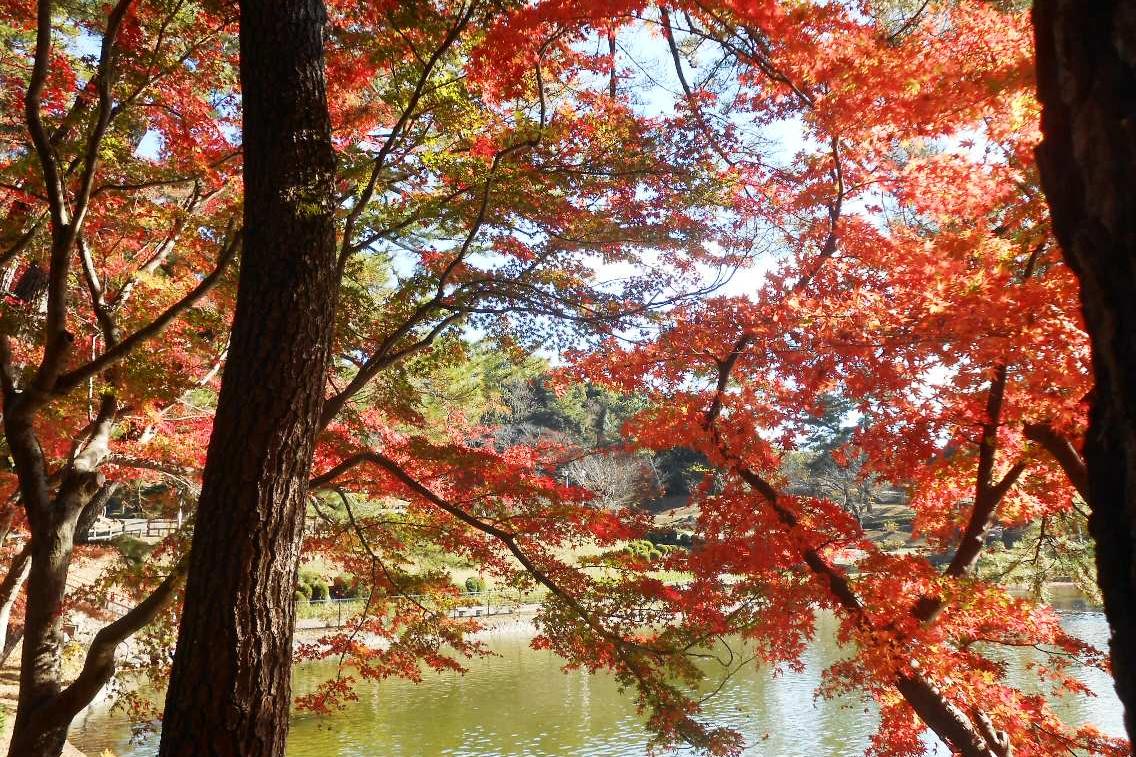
(581, 180)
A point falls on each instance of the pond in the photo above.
(520, 703)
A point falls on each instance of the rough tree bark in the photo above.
(1086, 68)
(229, 690)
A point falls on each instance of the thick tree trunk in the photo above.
(1086, 62)
(229, 691)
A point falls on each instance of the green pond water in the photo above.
(521, 703)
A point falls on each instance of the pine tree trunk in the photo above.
(229, 691)
(1086, 58)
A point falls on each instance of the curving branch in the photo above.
(1063, 451)
(396, 132)
(33, 98)
(988, 493)
(941, 715)
(508, 539)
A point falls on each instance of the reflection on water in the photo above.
(520, 703)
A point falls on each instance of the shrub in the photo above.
(643, 549)
(301, 597)
(474, 585)
(662, 537)
(134, 550)
(304, 589)
(321, 592)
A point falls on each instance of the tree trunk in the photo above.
(52, 521)
(10, 589)
(92, 511)
(40, 675)
(229, 691)
(1086, 66)
(15, 634)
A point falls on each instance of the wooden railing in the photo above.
(143, 527)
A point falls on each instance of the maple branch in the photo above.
(933, 708)
(696, 109)
(16, 575)
(1063, 451)
(981, 519)
(163, 249)
(759, 54)
(21, 243)
(103, 114)
(329, 476)
(136, 185)
(506, 538)
(940, 714)
(381, 564)
(725, 368)
(8, 373)
(676, 55)
(99, 664)
(409, 220)
(23, 444)
(611, 52)
(183, 472)
(909, 23)
(45, 152)
(988, 494)
(65, 227)
(97, 294)
(451, 37)
(73, 378)
(835, 208)
(384, 357)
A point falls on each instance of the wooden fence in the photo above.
(141, 527)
